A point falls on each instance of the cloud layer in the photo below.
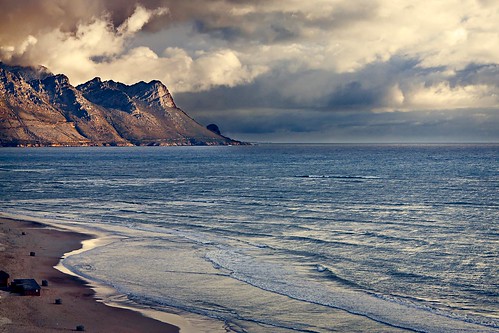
(318, 58)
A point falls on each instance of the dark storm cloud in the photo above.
(354, 95)
(469, 125)
(277, 24)
(360, 91)
(477, 74)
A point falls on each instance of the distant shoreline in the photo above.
(36, 145)
(242, 143)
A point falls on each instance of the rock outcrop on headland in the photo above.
(38, 108)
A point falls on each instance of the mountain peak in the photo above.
(55, 84)
(107, 94)
(155, 83)
(95, 83)
(153, 92)
(124, 97)
(58, 78)
(95, 80)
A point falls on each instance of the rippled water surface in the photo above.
(282, 238)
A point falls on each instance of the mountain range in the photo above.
(38, 108)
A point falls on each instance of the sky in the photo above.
(327, 71)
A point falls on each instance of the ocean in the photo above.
(280, 238)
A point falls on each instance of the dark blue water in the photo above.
(281, 238)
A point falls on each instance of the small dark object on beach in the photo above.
(32, 254)
(58, 301)
(4, 279)
(80, 328)
(23, 233)
(25, 287)
(45, 283)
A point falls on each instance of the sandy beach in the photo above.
(78, 303)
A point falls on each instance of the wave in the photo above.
(469, 203)
(228, 316)
(46, 170)
(330, 275)
(389, 310)
(414, 303)
(317, 241)
(338, 177)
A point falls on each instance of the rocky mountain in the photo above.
(38, 108)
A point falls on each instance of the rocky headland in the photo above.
(38, 108)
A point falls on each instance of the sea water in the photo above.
(281, 238)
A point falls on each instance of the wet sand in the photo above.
(79, 304)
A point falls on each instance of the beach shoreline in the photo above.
(79, 303)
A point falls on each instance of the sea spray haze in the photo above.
(281, 238)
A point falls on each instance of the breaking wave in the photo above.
(389, 310)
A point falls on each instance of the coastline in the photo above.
(79, 303)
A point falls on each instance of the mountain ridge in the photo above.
(38, 108)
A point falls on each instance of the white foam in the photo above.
(283, 280)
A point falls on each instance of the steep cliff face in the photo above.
(28, 118)
(145, 113)
(39, 108)
(89, 119)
